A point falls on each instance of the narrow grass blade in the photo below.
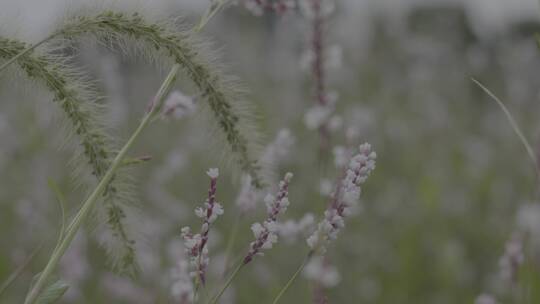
(512, 122)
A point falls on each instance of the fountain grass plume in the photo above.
(78, 99)
(163, 43)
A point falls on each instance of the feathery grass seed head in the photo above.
(164, 43)
(78, 99)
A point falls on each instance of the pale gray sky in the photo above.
(30, 19)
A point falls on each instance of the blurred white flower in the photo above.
(341, 156)
(512, 258)
(248, 195)
(325, 187)
(320, 271)
(279, 148)
(334, 57)
(317, 116)
(178, 105)
(485, 299)
(213, 172)
(335, 123)
(182, 286)
(326, 8)
(291, 230)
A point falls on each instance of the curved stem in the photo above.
(229, 281)
(293, 278)
(211, 12)
(15, 274)
(230, 242)
(81, 216)
(27, 50)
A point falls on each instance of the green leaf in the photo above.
(61, 202)
(53, 293)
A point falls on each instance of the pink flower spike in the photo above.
(344, 198)
(266, 233)
(196, 244)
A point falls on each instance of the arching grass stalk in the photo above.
(214, 8)
(87, 206)
(293, 278)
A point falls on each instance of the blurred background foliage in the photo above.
(450, 181)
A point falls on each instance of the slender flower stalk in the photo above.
(318, 71)
(227, 283)
(213, 9)
(90, 202)
(265, 233)
(197, 244)
(343, 199)
(249, 196)
(293, 278)
(230, 243)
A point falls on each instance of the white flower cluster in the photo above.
(198, 259)
(345, 197)
(248, 195)
(317, 116)
(277, 205)
(213, 173)
(323, 115)
(266, 233)
(320, 271)
(278, 149)
(182, 288)
(197, 244)
(201, 212)
(528, 220)
(178, 105)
